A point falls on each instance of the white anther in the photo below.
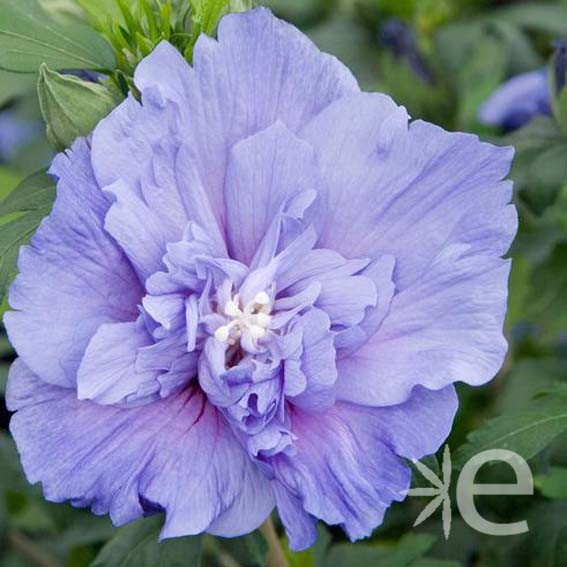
(261, 298)
(222, 334)
(254, 318)
(263, 320)
(257, 332)
(231, 308)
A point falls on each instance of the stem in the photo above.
(276, 556)
(28, 549)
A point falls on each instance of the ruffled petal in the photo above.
(260, 70)
(408, 191)
(316, 361)
(381, 273)
(345, 294)
(108, 373)
(445, 328)
(176, 455)
(73, 277)
(137, 229)
(436, 204)
(352, 480)
(141, 149)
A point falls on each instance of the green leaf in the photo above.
(361, 555)
(249, 550)
(455, 42)
(64, 10)
(86, 530)
(207, 13)
(99, 11)
(558, 389)
(553, 484)
(205, 16)
(540, 164)
(345, 39)
(538, 237)
(522, 53)
(6, 350)
(29, 36)
(405, 553)
(13, 559)
(518, 290)
(20, 215)
(4, 369)
(13, 85)
(314, 556)
(422, 99)
(562, 109)
(70, 106)
(8, 180)
(527, 378)
(548, 300)
(11, 476)
(19, 504)
(546, 17)
(302, 13)
(526, 432)
(429, 562)
(410, 548)
(30, 515)
(319, 550)
(544, 544)
(137, 545)
(34, 194)
(480, 77)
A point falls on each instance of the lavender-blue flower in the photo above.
(256, 288)
(15, 133)
(518, 100)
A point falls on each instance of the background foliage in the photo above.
(441, 59)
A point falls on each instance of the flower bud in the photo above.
(70, 106)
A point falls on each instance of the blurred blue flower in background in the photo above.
(517, 101)
(15, 133)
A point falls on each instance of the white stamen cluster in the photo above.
(254, 318)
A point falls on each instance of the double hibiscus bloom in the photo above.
(255, 289)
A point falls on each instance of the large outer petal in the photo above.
(408, 191)
(348, 470)
(260, 70)
(73, 277)
(434, 201)
(177, 455)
